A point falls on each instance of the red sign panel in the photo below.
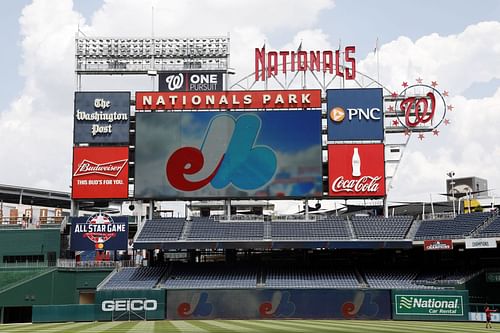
(356, 170)
(267, 99)
(437, 245)
(100, 173)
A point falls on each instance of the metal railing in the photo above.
(19, 222)
(93, 264)
(294, 218)
(241, 218)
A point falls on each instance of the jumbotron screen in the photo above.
(213, 154)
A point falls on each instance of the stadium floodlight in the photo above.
(451, 174)
(96, 55)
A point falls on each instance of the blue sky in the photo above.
(454, 42)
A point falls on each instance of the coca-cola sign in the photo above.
(356, 170)
(363, 184)
(100, 173)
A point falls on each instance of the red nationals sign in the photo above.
(438, 245)
(100, 173)
(356, 170)
(248, 99)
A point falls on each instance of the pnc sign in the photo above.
(355, 114)
(356, 170)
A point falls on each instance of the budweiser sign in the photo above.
(111, 169)
(100, 173)
(367, 184)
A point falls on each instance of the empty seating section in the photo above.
(445, 277)
(493, 229)
(378, 227)
(324, 229)
(135, 278)
(211, 277)
(311, 278)
(210, 229)
(155, 230)
(383, 279)
(459, 227)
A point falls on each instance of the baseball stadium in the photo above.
(171, 224)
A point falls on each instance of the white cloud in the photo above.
(469, 146)
(38, 124)
(455, 61)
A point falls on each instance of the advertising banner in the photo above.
(100, 173)
(136, 304)
(236, 155)
(430, 304)
(480, 243)
(355, 114)
(190, 81)
(438, 245)
(356, 170)
(481, 316)
(493, 277)
(270, 303)
(99, 232)
(101, 117)
(248, 99)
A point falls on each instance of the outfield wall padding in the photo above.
(63, 313)
(283, 303)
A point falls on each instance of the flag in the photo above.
(375, 49)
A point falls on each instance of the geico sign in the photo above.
(360, 113)
(130, 305)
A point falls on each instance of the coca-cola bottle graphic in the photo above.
(356, 163)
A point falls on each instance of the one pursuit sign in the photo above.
(99, 232)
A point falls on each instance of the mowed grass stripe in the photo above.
(444, 326)
(269, 324)
(376, 326)
(373, 326)
(229, 325)
(188, 326)
(310, 327)
(339, 325)
(142, 326)
(102, 327)
(165, 326)
(59, 327)
(265, 326)
(413, 326)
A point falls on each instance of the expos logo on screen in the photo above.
(355, 114)
(220, 162)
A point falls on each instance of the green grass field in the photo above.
(249, 326)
